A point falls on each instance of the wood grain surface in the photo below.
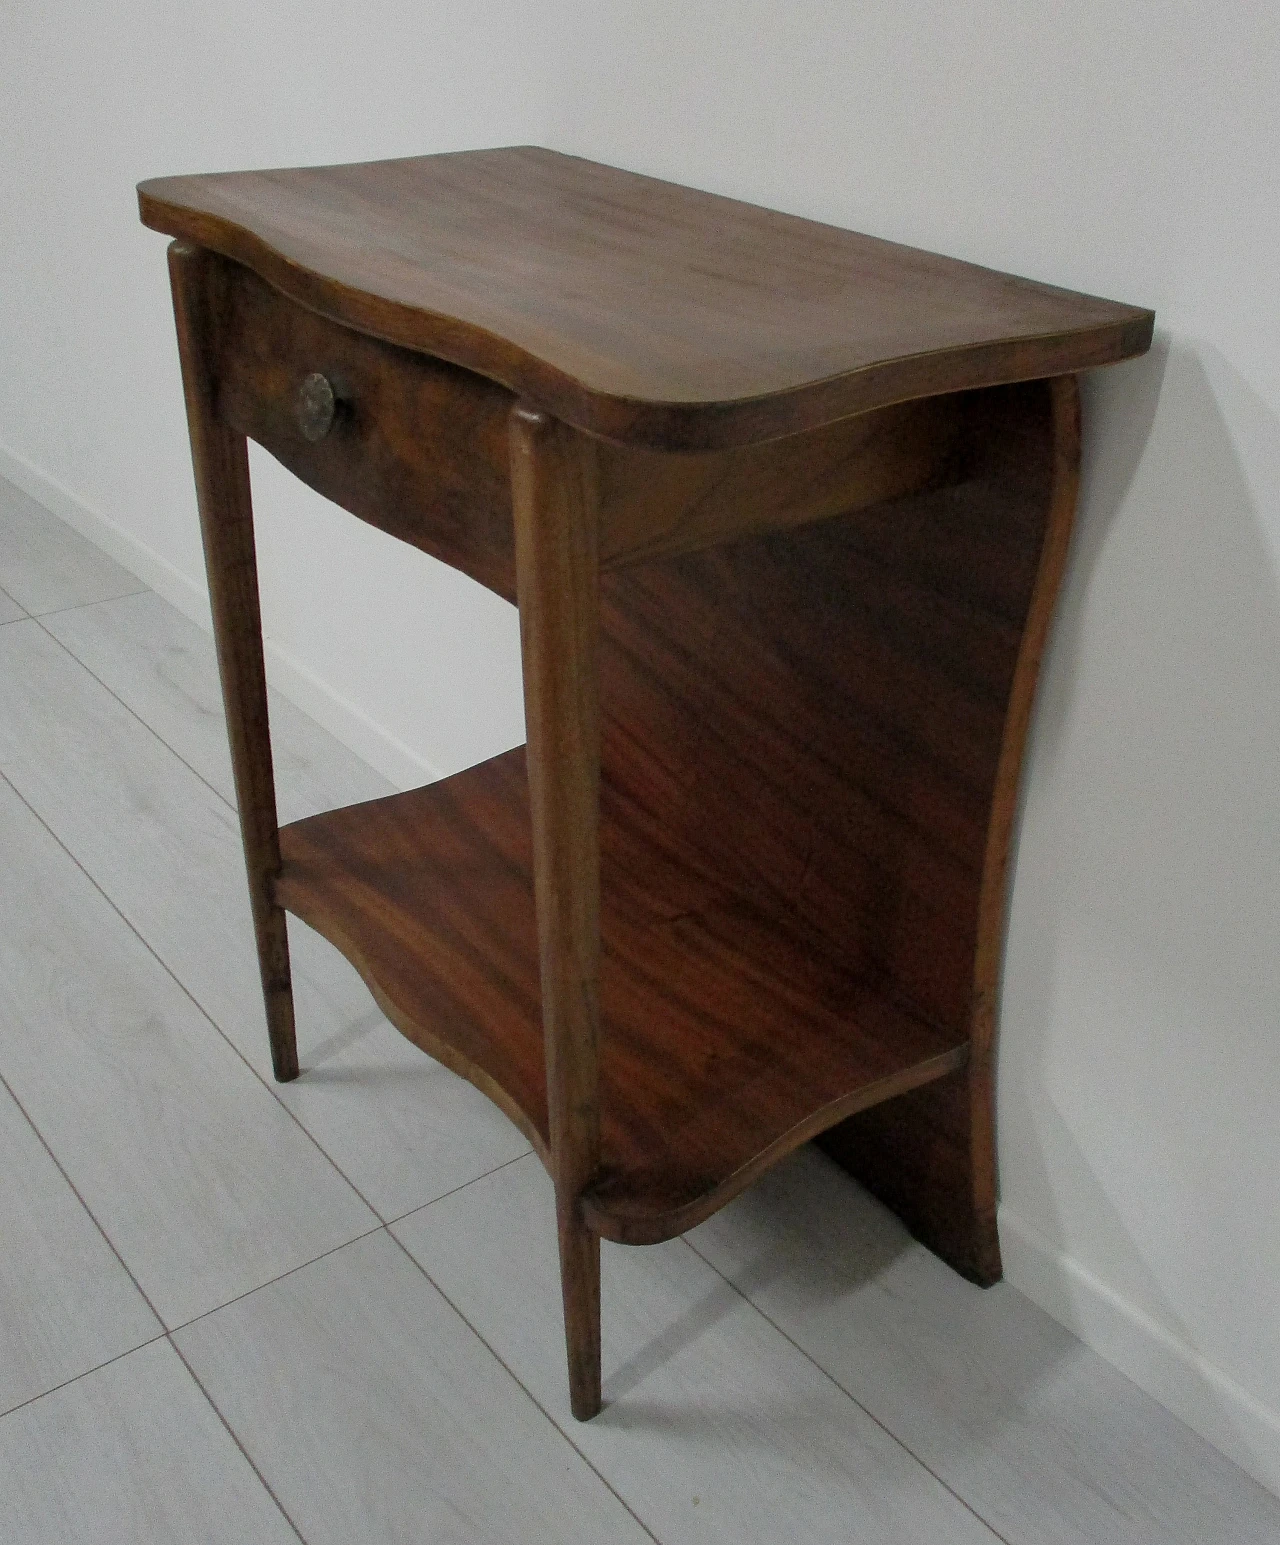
(555, 483)
(633, 308)
(220, 459)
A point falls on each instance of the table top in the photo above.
(637, 309)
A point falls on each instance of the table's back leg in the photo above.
(931, 1154)
(555, 502)
(220, 458)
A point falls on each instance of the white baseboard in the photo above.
(1157, 1361)
(400, 765)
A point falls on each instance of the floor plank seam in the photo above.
(258, 1287)
(475, 1180)
(231, 1433)
(76, 606)
(75, 1379)
(827, 1374)
(107, 1240)
(133, 712)
(521, 1385)
(267, 1084)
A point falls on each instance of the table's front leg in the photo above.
(220, 459)
(556, 509)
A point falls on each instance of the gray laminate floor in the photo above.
(235, 1311)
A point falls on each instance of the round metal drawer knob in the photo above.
(316, 406)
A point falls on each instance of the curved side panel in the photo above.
(930, 1154)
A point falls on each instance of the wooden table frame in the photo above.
(746, 887)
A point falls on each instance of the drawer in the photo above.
(419, 447)
(411, 444)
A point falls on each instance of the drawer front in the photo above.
(419, 447)
(413, 445)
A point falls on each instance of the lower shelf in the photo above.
(729, 1035)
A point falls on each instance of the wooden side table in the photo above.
(785, 510)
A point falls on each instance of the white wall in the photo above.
(1126, 150)
(94, 98)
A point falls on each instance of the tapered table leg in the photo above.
(221, 462)
(557, 572)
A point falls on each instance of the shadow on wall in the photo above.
(1139, 1075)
